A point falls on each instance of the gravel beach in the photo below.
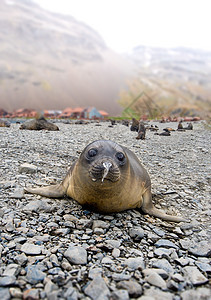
(55, 249)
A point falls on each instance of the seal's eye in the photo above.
(120, 156)
(92, 152)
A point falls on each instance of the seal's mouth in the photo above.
(104, 170)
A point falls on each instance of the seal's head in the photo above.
(104, 161)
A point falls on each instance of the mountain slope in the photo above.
(178, 80)
(51, 61)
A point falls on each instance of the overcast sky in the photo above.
(124, 24)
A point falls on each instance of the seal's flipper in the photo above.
(51, 191)
(149, 208)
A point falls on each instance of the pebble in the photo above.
(76, 255)
(97, 289)
(55, 249)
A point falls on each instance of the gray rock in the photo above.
(195, 276)
(18, 194)
(202, 248)
(76, 255)
(37, 206)
(31, 294)
(107, 260)
(163, 252)
(97, 289)
(100, 224)
(121, 276)
(134, 288)
(156, 280)
(161, 272)
(71, 294)
(199, 294)
(135, 263)
(165, 244)
(28, 168)
(11, 270)
(136, 233)
(34, 274)
(113, 243)
(163, 264)
(204, 267)
(95, 271)
(31, 249)
(7, 281)
(4, 294)
(16, 292)
(120, 295)
(157, 294)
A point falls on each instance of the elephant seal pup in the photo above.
(39, 124)
(107, 178)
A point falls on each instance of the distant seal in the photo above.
(141, 131)
(39, 124)
(135, 124)
(4, 123)
(107, 178)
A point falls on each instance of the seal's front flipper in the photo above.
(149, 208)
(51, 191)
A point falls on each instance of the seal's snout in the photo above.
(104, 169)
(107, 165)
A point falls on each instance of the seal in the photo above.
(39, 124)
(141, 131)
(107, 178)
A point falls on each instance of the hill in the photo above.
(177, 80)
(52, 61)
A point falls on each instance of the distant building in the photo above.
(52, 113)
(3, 112)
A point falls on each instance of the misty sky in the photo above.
(124, 24)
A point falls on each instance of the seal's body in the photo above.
(107, 178)
(39, 124)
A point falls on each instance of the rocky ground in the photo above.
(54, 249)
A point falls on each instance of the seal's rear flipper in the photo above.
(148, 208)
(51, 191)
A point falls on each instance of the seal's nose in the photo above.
(107, 165)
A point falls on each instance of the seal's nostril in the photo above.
(107, 165)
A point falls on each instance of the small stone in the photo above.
(37, 206)
(18, 194)
(31, 249)
(94, 272)
(135, 263)
(34, 274)
(115, 252)
(97, 289)
(107, 260)
(71, 294)
(27, 168)
(202, 248)
(120, 295)
(32, 294)
(136, 233)
(7, 281)
(177, 277)
(161, 272)
(163, 264)
(113, 243)
(4, 294)
(199, 294)
(100, 224)
(134, 288)
(76, 255)
(158, 294)
(182, 261)
(165, 244)
(121, 276)
(16, 292)
(195, 276)
(163, 252)
(204, 267)
(156, 280)
(99, 231)
(11, 270)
